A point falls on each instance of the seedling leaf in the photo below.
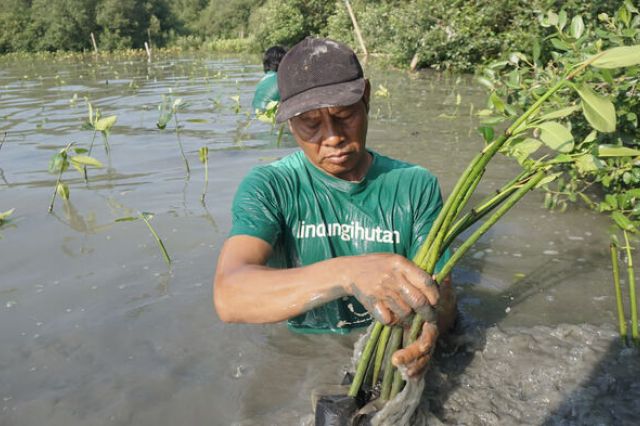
(598, 110)
(624, 56)
(556, 136)
(105, 124)
(63, 190)
(617, 151)
(85, 160)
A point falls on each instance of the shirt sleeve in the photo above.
(427, 203)
(255, 210)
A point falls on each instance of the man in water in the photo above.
(322, 237)
(267, 88)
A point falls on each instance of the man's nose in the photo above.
(332, 132)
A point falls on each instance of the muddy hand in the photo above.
(391, 287)
(415, 357)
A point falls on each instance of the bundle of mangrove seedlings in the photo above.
(376, 381)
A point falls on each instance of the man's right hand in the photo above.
(391, 287)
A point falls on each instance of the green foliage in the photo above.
(225, 19)
(592, 123)
(4, 216)
(60, 162)
(289, 21)
(455, 35)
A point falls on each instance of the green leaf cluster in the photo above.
(589, 128)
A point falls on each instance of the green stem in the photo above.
(364, 360)
(469, 193)
(461, 251)
(422, 254)
(84, 168)
(165, 255)
(380, 350)
(206, 179)
(396, 387)
(394, 343)
(280, 133)
(622, 323)
(184, 157)
(55, 190)
(62, 167)
(105, 140)
(632, 292)
(484, 208)
(482, 229)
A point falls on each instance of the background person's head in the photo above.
(272, 57)
(325, 98)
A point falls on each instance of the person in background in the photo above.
(267, 89)
(322, 237)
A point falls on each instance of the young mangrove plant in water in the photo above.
(97, 123)
(268, 115)
(4, 216)
(60, 162)
(203, 155)
(631, 283)
(538, 125)
(169, 109)
(146, 218)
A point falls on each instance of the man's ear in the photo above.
(367, 93)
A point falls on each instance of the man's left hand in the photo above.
(417, 355)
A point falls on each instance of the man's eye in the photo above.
(310, 123)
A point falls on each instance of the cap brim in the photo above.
(340, 94)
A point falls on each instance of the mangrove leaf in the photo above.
(556, 136)
(561, 113)
(577, 26)
(63, 190)
(598, 110)
(624, 56)
(623, 222)
(85, 160)
(617, 151)
(105, 124)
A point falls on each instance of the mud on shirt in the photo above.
(308, 216)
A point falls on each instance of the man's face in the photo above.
(333, 139)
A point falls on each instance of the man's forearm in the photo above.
(259, 294)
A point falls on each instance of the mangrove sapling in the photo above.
(203, 155)
(97, 123)
(60, 162)
(4, 216)
(383, 93)
(537, 173)
(146, 218)
(632, 291)
(168, 110)
(4, 137)
(268, 115)
(622, 321)
(236, 104)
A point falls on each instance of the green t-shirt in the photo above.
(308, 216)
(266, 91)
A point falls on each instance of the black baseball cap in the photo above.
(318, 73)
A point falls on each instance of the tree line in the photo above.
(447, 35)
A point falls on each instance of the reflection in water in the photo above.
(207, 215)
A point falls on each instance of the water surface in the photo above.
(97, 331)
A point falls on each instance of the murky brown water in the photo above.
(95, 330)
